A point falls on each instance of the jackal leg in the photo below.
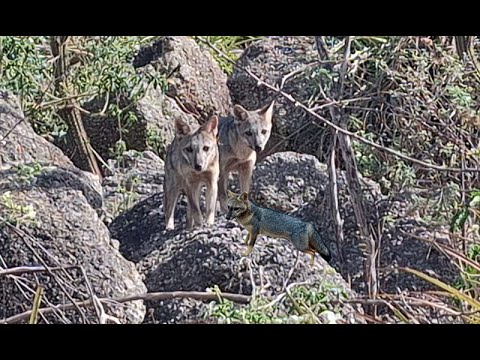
(170, 197)
(211, 200)
(194, 214)
(222, 191)
(245, 175)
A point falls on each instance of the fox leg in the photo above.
(247, 238)
(301, 242)
(251, 243)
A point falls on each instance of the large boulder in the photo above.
(18, 141)
(194, 77)
(48, 218)
(208, 257)
(132, 177)
(298, 183)
(271, 59)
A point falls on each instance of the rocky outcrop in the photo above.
(47, 220)
(208, 257)
(297, 184)
(194, 77)
(18, 141)
(271, 59)
(132, 177)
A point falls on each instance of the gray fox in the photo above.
(263, 221)
(240, 138)
(192, 160)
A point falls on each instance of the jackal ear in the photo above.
(244, 196)
(240, 112)
(181, 127)
(267, 111)
(211, 126)
(231, 194)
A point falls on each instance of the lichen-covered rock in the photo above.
(48, 219)
(132, 177)
(271, 59)
(208, 257)
(18, 141)
(298, 183)
(194, 77)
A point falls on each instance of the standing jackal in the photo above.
(241, 137)
(192, 160)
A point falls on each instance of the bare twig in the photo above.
(31, 269)
(158, 296)
(341, 130)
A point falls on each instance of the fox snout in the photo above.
(256, 148)
(198, 167)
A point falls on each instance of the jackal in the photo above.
(192, 160)
(241, 137)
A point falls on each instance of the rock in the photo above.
(209, 256)
(298, 183)
(53, 223)
(18, 141)
(293, 183)
(134, 176)
(154, 127)
(194, 77)
(272, 58)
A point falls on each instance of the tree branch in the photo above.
(158, 296)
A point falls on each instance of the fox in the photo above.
(241, 137)
(192, 160)
(259, 220)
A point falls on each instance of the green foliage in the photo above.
(229, 45)
(13, 213)
(460, 218)
(102, 70)
(302, 304)
(27, 172)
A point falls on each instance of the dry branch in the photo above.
(158, 296)
(71, 114)
(341, 130)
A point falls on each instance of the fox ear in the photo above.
(240, 112)
(211, 126)
(181, 127)
(231, 194)
(267, 111)
(244, 196)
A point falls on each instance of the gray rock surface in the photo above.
(18, 141)
(271, 59)
(194, 77)
(132, 177)
(56, 225)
